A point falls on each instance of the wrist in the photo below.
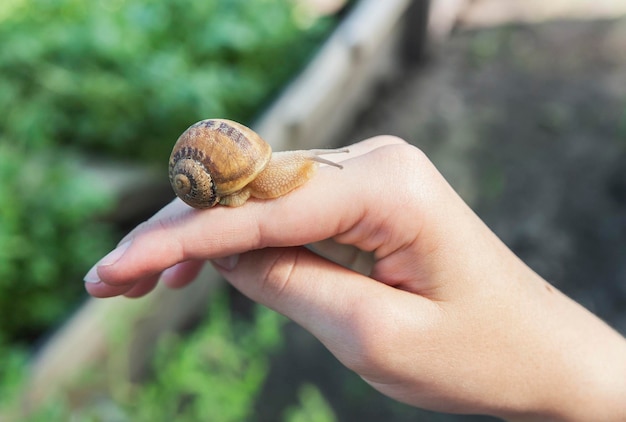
(583, 377)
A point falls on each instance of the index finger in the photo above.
(325, 206)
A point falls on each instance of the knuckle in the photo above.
(276, 280)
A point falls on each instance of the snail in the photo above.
(218, 161)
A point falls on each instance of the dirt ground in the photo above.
(528, 122)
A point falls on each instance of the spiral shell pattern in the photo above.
(191, 179)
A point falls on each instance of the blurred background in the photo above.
(521, 105)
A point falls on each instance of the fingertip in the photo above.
(142, 287)
(180, 275)
(227, 263)
(107, 269)
(149, 254)
(102, 290)
(93, 275)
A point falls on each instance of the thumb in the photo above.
(294, 282)
(351, 314)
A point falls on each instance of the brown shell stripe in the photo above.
(243, 144)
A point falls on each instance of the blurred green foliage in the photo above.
(123, 78)
(312, 407)
(48, 236)
(127, 77)
(214, 374)
(14, 365)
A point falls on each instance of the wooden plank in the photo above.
(323, 100)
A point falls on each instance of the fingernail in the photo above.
(110, 259)
(227, 263)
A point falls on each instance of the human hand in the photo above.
(448, 318)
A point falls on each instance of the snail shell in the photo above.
(215, 158)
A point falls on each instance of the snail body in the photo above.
(218, 161)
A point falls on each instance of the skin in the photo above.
(448, 318)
